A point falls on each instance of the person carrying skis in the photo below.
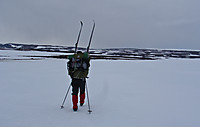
(78, 68)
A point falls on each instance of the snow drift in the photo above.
(157, 93)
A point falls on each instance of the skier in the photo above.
(78, 68)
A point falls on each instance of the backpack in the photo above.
(78, 67)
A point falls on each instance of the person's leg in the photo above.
(82, 92)
(75, 89)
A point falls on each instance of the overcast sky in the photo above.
(164, 24)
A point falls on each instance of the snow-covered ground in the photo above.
(160, 93)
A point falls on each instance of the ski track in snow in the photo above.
(157, 93)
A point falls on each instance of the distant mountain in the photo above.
(29, 47)
(111, 53)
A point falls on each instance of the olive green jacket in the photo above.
(79, 73)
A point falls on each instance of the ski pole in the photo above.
(62, 106)
(89, 110)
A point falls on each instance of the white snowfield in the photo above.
(160, 93)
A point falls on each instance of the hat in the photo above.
(79, 52)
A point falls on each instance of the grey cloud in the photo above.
(127, 23)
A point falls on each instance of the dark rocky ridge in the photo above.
(111, 53)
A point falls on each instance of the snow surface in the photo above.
(160, 93)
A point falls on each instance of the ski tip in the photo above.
(81, 22)
(94, 22)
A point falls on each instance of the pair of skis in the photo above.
(79, 34)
